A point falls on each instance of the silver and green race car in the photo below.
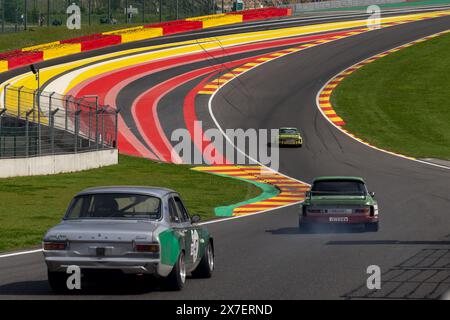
(289, 137)
(135, 230)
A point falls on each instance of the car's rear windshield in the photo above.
(288, 131)
(338, 187)
(114, 206)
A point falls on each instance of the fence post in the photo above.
(97, 112)
(116, 129)
(27, 134)
(3, 16)
(19, 90)
(66, 107)
(4, 94)
(89, 12)
(50, 102)
(77, 114)
(34, 105)
(52, 129)
(39, 120)
(2, 111)
(103, 125)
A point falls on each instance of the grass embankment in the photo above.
(401, 102)
(31, 205)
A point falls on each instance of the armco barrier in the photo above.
(176, 26)
(55, 50)
(17, 58)
(136, 34)
(217, 19)
(41, 46)
(263, 13)
(95, 41)
(25, 56)
(3, 65)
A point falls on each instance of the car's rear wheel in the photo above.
(371, 227)
(57, 281)
(206, 265)
(176, 279)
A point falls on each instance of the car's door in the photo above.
(192, 235)
(178, 225)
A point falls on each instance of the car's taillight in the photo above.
(362, 210)
(146, 247)
(55, 245)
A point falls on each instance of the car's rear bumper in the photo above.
(290, 144)
(339, 219)
(126, 265)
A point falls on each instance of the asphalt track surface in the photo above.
(264, 256)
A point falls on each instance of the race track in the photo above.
(264, 256)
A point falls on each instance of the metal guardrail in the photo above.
(36, 123)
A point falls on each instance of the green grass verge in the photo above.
(40, 35)
(401, 102)
(31, 205)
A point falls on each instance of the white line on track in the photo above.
(13, 254)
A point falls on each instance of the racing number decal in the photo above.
(194, 245)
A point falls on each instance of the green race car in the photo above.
(289, 137)
(339, 200)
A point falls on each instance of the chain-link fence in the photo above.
(36, 123)
(17, 15)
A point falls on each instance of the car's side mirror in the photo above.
(195, 219)
(372, 194)
(308, 194)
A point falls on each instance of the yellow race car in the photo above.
(289, 137)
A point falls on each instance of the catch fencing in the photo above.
(34, 123)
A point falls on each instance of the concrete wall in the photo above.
(299, 7)
(57, 163)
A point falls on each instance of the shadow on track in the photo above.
(316, 230)
(118, 285)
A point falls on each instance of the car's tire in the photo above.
(177, 277)
(206, 266)
(57, 281)
(372, 226)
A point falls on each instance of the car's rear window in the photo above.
(114, 206)
(338, 187)
(288, 131)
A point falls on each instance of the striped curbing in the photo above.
(324, 95)
(290, 191)
(13, 59)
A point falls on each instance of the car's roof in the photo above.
(288, 128)
(152, 191)
(324, 178)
